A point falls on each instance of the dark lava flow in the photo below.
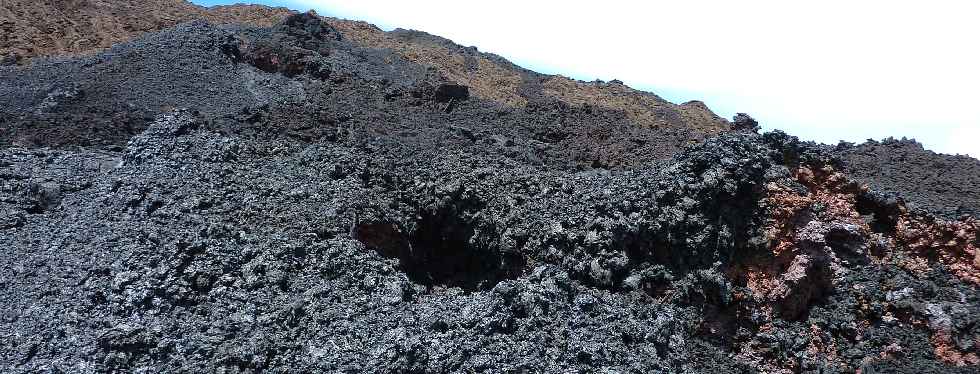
(242, 199)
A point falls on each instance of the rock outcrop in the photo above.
(317, 195)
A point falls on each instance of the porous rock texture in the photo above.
(290, 198)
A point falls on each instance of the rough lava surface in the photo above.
(300, 197)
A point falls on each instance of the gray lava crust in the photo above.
(241, 199)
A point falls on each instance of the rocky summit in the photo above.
(246, 189)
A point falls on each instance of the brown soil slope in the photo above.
(49, 28)
(31, 29)
(492, 77)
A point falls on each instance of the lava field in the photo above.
(318, 195)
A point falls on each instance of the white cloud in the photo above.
(824, 70)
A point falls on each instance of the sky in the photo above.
(825, 71)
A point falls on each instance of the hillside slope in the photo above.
(317, 195)
(30, 29)
(78, 27)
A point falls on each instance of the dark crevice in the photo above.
(443, 250)
(848, 245)
(882, 217)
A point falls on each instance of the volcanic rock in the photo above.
(317, 195)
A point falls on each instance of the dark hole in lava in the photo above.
(883, 218)
(442, 251)
(451, 92)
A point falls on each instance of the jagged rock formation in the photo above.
(321, 196)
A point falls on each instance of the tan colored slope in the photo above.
(68, 27)
(498, 80)
(30, 28)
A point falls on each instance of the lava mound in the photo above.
(317, 195)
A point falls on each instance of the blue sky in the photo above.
(825, 71)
